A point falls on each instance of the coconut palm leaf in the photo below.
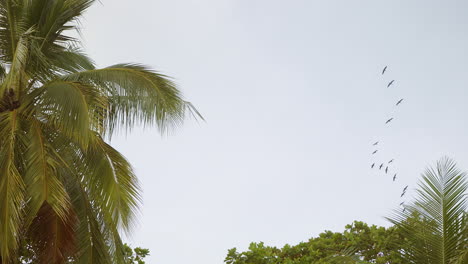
(11, 185)
(441, 206)
(43, 184)
(137, 96)
(112, 184)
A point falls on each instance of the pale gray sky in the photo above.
(293, 98)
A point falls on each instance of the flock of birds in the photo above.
(376, 144)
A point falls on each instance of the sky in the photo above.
(293, 98)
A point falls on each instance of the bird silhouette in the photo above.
(384, 69)
(386, 170)
(380, 167)
(402, 203)
(404, 209)
(399, 102)
(374, 152)
(375, 144)
(406, 187)
(391, 161)
(388, 121)
(394, 177)
(372, 166)
(402, 194)
(390, 83)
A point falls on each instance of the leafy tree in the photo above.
(64, 192)
(359, 242)
(441, 211)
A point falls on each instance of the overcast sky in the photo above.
(293, 99)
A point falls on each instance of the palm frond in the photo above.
(43, 184)
(91, 232)
(137, 95)
(10, 14)
(440, 205)
(53, 18)
(17, 69)
(11, 186)
(70, 107)
(112, 183)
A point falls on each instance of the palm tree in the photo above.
(64, 192)
(435, 226)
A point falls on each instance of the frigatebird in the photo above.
(402, 203)
(402, 194)
(390, 83)
(386, 170)
(394, 177)
(391, 161)
(406, 187)
(399, 102)
(375, 144)
(372, 166)
(388, 121)
(404, 209)
(384, 69)
(374, 152)
(380, 167)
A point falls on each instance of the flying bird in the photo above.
(404, 209)
(394, 177)
(386, 170)
(380, 167)
(402, 203)
(391, 161)
(384, 69)
(402, 194)
(399, 102)
(390, 83)
(372, 166)
(404, 190)
(388, 121)
(374, 152)
(375, 144)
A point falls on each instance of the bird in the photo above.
(388, 121)
(402, 203)
(384, 69)
(372, 166)
(406, 187)
(394, 177)
(380, 167)
(391, 161)
(399, 101)
(390, 83)
(375, 144)
(386, 170)
(374, 152)
(404, 209)
(402, 194)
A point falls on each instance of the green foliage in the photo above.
(358, 243)
(65, 194)
(136, 255)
